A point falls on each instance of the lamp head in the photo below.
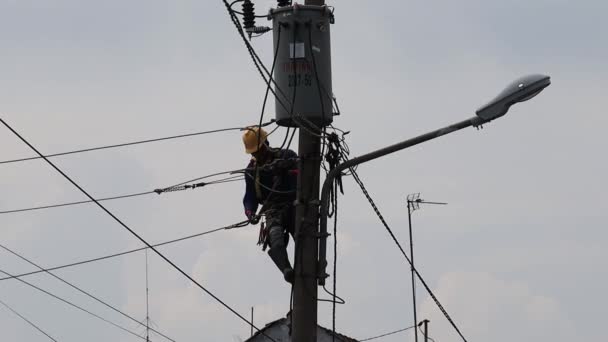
(520, 90)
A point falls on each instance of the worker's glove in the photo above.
(252, 217)
(280, 165)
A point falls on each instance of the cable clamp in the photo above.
(323, 235)
(194, 186)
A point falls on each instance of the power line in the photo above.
(333, 304)
(257, 61)
(138, 194)
(128, 144)
(263, 70)
(428, 289)
(75, 306)
(268, 84)
(27, 320)
(182, 187)
(237, 225)
(132, 231)
(80, 290)
(270, 79)
(12, 211)
(387, 334)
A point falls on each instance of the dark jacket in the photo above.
(276, 185)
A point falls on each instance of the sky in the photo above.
(517, 254)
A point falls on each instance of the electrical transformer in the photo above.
(302, 65)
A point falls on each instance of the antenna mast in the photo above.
(147, 302)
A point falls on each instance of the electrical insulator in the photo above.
(283, 3)
(259, 29)
(248, 15)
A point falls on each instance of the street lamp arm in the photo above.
(331, 176)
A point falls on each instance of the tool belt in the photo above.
(273, 214)
(263, 238)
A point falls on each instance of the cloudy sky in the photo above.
(518, 254)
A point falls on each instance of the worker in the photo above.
(270, 180)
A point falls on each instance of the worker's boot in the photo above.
(280, 258)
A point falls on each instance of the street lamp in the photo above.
(520, 90)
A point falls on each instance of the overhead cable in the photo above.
(78, 263)
(422, 331)
(268, 79)
(387, 334)
(125, 226)
(257, 61)
(130, 143)
(428, 289)
(75, 306)
(74, 203)
(173, 188)
(262, 69)
(82, 291)
(336, 299)
(333, 306)
(183, 187)
(268, 84)
(27, 320)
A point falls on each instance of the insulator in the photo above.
(248, 14)
(259, 29)
(283, 3)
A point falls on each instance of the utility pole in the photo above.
(303, 77)
(252, 321)
(306, 249)
(304, 313)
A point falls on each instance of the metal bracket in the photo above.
(321, 275)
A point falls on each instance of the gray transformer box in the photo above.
(302, 69)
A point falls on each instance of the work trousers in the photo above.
(280, 220)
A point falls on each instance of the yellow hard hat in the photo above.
(252, 140)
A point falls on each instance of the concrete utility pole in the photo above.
(306, 250)
(303, 76)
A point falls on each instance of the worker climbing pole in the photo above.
(270, 179)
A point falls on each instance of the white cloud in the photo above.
(486, 307)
